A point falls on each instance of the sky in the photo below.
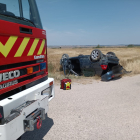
(91, 22)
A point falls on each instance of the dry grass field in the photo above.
(129, 59)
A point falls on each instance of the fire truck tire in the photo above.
(95, 55)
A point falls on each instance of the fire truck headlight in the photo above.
(47, 91)
(43, 66)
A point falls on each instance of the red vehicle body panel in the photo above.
(8, 29)
(21, 47)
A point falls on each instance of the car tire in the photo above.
(111, 54)
(63, 57)
(95, 55)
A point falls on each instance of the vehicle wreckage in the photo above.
(107, 66)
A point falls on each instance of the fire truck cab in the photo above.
(25, 88)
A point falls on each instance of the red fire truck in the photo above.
(25, 88)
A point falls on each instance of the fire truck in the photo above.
(25, 88)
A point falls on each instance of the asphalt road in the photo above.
(97, 111)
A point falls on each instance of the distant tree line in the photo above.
(130, 46)
(98, 46)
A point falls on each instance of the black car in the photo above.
(107, 66)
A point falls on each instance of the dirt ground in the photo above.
(94, 111)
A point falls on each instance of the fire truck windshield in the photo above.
(20, 11)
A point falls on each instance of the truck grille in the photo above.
(10, 66)
(12, 85)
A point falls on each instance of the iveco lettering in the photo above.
(9, 75)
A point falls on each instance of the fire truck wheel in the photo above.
(95, 55)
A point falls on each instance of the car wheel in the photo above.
(111, 54)
(63, 57)
(95, 55)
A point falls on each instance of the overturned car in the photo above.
(107, 66)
